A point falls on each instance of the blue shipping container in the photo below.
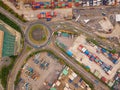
(69, 0)
(80, 80)
(37, 7)
(110, 55)
(48, 19)
(115, 61)
(70, 81)
(86, 52)
(103, 50)
(69, 53)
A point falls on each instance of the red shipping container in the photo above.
(55, 13)
(52, 3)
(37, 4)
(42, 16)
(69, 4)
(80, 47)
(77, 4)
(47, 14)
(49, 17)
(42, 6)
(103, 79)
(39, 16)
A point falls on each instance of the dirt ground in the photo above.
(66, 41)
(48, 75)
(115, 33)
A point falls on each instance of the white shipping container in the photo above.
(74, 75)
(71, 77)
(84, 49)
(109, 72)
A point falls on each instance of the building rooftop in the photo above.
(8, 42)
(52, 88)
(117, 17)
(65, 72)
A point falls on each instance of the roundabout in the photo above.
(38, 34)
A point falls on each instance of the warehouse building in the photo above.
(117, 17)
(7, 42)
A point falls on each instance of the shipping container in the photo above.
(108, 72)
(103, 50)
(70, 81)
(39, 16)
(92, 58)
(70, 4)
(52, 13)
(55, 13)
(86, 52)
(80, 80)
(48, 18)
(47, 14)
(103, 79)
(69, 0)
(80, 47)
(37, 7)
(77, 4)
(69, 53)
(77, 0)
(115, 61)
(84, 49)
(97, 60)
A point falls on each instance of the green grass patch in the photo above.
(4, 72)
(28, 48)
(6, 7)
(96, 43)
(44, 37)
(10, 22)
(92, 40)
(17, 78)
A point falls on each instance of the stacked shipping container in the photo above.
(47, 15)
(92, 57)
(55, 4)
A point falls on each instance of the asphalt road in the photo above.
(17, 67)
(20, 23)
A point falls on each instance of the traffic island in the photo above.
(38, 34)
